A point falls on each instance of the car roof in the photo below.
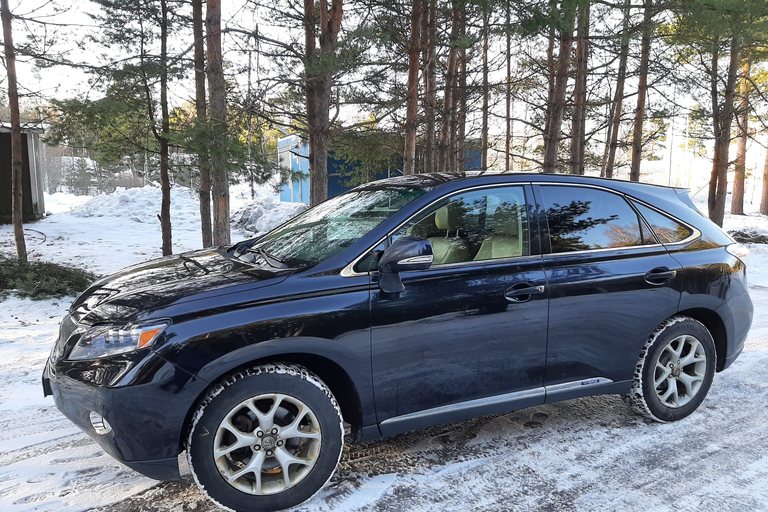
(433, 180)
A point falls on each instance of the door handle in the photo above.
(657, 276)
(522, 294)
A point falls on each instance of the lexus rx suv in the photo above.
(398, 305)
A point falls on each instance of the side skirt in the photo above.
(501, 403)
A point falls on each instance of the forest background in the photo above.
(197, 92)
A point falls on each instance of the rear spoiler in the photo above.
(683, 194)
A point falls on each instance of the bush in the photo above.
(41, 280)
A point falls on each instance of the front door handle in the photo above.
(658, 275)
(522, 294)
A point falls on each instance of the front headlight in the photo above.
(109, 340)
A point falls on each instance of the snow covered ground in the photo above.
(589, 454)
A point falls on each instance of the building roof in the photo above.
(30, 127)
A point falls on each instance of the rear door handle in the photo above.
(657, 276)
(522, 294)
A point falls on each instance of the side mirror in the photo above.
(407, 253)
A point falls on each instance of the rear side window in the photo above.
(582, 219)
(668, 230)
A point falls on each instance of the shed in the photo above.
(33, 203)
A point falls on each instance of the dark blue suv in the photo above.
(400, 304)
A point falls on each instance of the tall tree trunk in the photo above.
(508, 117)
(449, 107)
(16, 156)
(764, 195)
(217, 95)
(578, 124)
(409, 158)
(461, 107)
(310, 37)
(552, 136)
(202, 119)
(645, 53)
(484, 129)
(430, 84)
(742, 120)
(718, 184)
(165, 182)
(618, 99)
(461, 115)
(319, 79)
(551, 79)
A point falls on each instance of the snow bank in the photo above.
(261, 212)
(260, 217)
(141, 204)
(62, 202)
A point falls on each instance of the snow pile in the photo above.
(262, 216)
(261, 212)
(62, 202)
(141, 204)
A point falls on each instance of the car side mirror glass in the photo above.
(407, 253)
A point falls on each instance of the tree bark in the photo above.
(165, 182)
(461, 112)
(16, 155)
(217, 96)
(319, 79)
(430, 84)
(645, 52)
(578, 123)
(551, 79)
(742, 120)
(618, 99)
(718, 184)
(310, 37)
(764, 195)
(557, 106)
(409, 157)
(484, 129)
(508, 117)
(201, 110)
(449, 107)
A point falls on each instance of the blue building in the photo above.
(292, 156)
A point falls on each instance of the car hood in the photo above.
(135, 292)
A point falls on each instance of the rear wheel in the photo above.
(675, 370)
(265, 439)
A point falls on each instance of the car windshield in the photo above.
(328, 228)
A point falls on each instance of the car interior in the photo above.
(492, 227)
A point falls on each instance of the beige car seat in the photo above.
(449, 248)
(505, 242)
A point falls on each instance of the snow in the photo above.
(588, 454)
(263, 211)
(60, 202)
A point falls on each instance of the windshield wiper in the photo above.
(271, 260)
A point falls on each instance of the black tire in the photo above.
(296, 387)
(667, 389)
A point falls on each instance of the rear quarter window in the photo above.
(668, 230)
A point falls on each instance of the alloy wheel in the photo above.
(267, 444)
(680, 371)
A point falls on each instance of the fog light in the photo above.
(100, 424)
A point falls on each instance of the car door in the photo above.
(468, 335)
(611, 283)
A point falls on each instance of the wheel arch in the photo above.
(329, 371)
(716, 327)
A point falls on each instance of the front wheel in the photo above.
(265, 439)
(675, 370)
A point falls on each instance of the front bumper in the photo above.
(147, 415)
